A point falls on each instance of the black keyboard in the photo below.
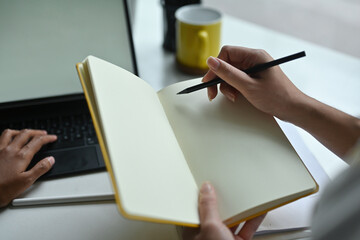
(70, 121)
(72, 131)
(76, 149)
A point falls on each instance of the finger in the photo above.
(35, 144)
(242, 57)
(24, 136)
(226, 54)
(211, 91)
(39, 169)
(7, 136)
(208, 209)
(250, 227)
(223, 55)
(230, 92)
(210, 75)
(231, 75)
(238, 57)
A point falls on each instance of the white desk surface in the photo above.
(327, 75)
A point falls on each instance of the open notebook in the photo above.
(160, 147)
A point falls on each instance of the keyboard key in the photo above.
(91, 140)
(78, 136)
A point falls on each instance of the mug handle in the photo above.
(204, 47)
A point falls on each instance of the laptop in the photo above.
(40, 43)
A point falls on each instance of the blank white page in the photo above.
(152, 176)
(239, 149)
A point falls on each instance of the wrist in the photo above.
(297, 108)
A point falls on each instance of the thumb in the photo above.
(208, 209)
(230, 74)
(41, 168)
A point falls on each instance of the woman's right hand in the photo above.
(270, 90)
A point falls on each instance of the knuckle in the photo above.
(25, 131)
(22, 154)
(8, 149)
(263, 54)
(207, 201)
(7, 131)
(226, 48)
(29, 180)
(40, 138)
(260, 51)
(43, 166)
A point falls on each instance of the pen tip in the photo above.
(181, 92)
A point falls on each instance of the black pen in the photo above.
(254, 69)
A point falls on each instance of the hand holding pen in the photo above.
(268, 90)
(251, 70)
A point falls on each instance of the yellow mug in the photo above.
(198, 33)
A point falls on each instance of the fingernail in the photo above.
(210, 95)
(51, 160)
(231, 97)
(213, 63)
(206, 187)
